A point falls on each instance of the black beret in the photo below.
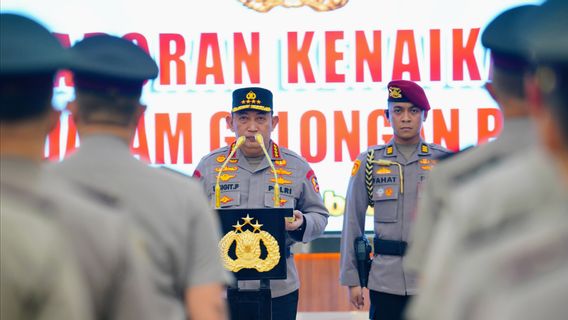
(252, 98)
(505, 36)
(28, 47)
(547, 32)
(107, 62)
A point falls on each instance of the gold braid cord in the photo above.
(369, 176)
(317, 5)
(248, 251)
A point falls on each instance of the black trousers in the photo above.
(285, 307)
(385, 306)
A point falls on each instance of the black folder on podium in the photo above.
(253, 248)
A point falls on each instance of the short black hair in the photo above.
(24, 97)
(109, 107)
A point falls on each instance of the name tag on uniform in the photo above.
(386, 180)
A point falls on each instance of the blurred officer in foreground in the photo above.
(507, 89)
(35, 265)
(117, 287)
(389, 178)
(179, 229)
(502, 254)
(250, 183)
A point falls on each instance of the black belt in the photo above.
(389, 247)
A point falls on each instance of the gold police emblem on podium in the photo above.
(248, 249)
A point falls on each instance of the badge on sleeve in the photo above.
(311, 176)
(355, 168)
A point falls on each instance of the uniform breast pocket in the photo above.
(227, 199)
(286, 201)
(385, 198)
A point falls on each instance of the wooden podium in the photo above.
(253, 248)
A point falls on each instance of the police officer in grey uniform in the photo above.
(248, 182)
(116, 282)
(389, 178)
(501, 213)
(507, 89)
(179, 228)
(35, 265)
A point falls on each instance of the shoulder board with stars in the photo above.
(275, 151)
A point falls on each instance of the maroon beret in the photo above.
(408, 91)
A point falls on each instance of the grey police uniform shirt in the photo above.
(116, 276)
(39, 277)
(481, 210)
(245, 187)
(522, 274)
(394, 209)
(179, 229)
(517, 134)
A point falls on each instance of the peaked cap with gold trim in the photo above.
(252, 98)
(408, 91)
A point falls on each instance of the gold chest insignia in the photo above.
(227, 177)
(383, 170)
(228, 168)
(248, 248)
(282, 201)
(281, 181)
(221, 159)
(282, 171)
(226, 199)
(280, 162)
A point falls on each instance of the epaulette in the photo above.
(438, 147)
(292, 154)
(215, 153)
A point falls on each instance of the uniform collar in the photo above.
(390, 149)
(273, 151)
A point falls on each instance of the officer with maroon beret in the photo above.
(388, 178)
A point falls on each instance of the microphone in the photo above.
(240, 141)
(260, 140)
(383, 162)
